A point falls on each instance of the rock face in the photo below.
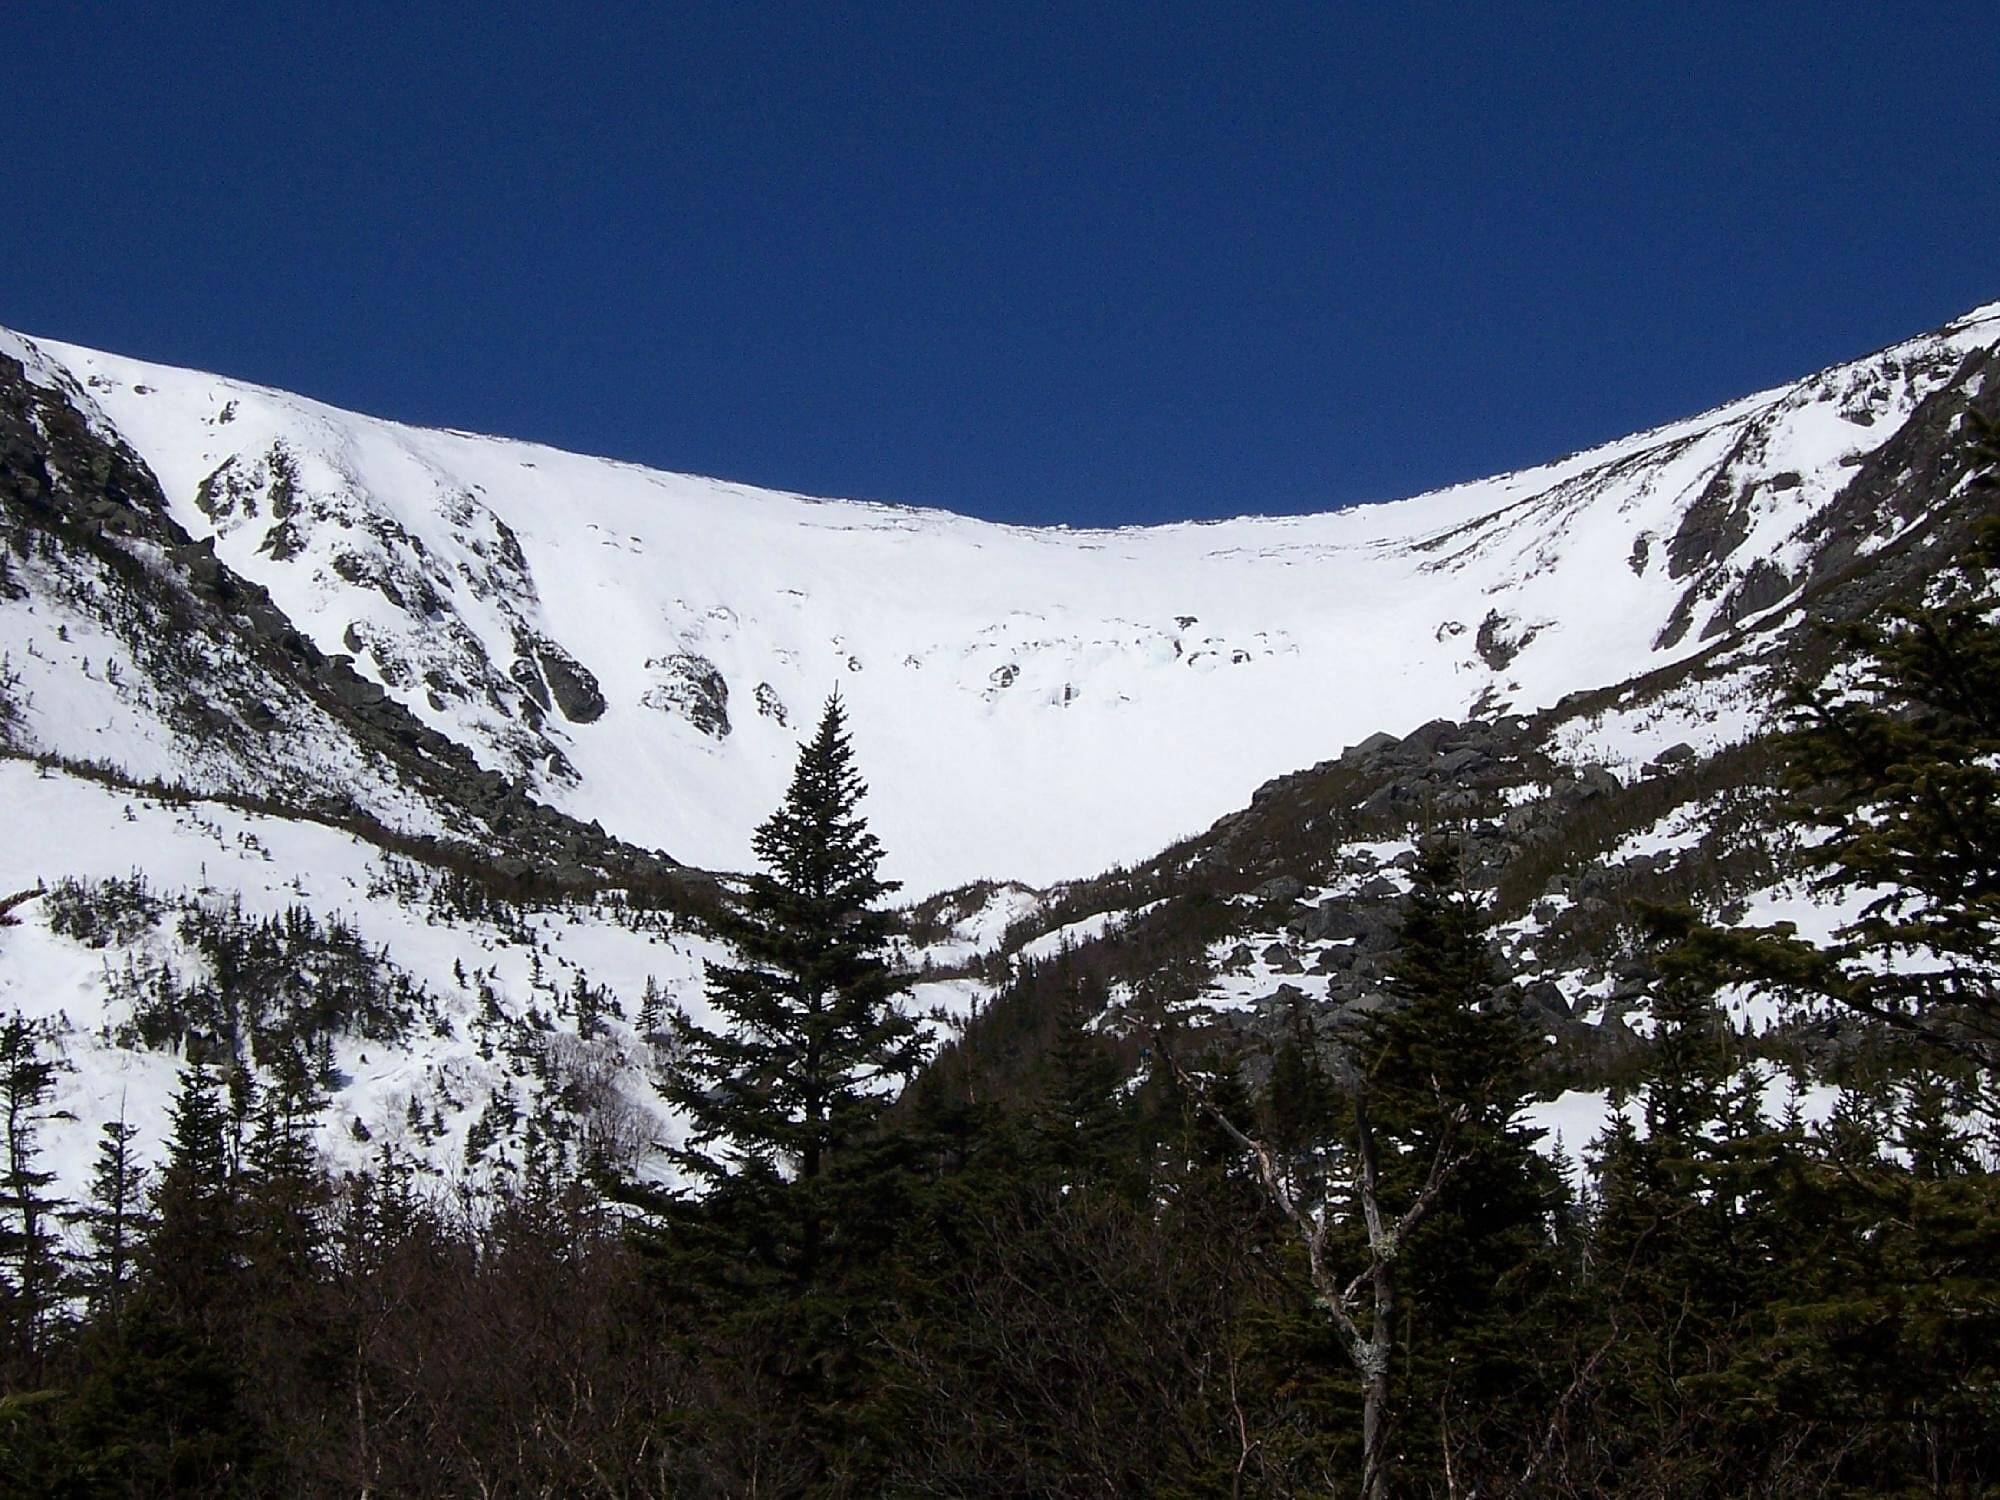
(575, 691)
(1501, 639)
(1763, 585)
(769, 704)
(222, 692)
(691, 687)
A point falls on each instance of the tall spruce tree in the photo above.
(195, 1240)
(30, 1259)
(115, 1222)
(781, 1098)
(1442, 1080)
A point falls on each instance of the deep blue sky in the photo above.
(1075, 263)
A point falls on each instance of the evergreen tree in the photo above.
(1686, 1254)
(1078, 1125)
(30, 1260)
(115, 1222)
(1302, 1106)
(194, 1242)
(1442, 1080)
(782, 1097)
(284, 1194)
(797, 1185)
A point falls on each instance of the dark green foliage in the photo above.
(1079, 1125)
(116, 1221)
(104, 913)
(1444, 1076)
(30, 1262)
(194, 1247)
(782, 1099)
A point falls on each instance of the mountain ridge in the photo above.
(1034, 702)
(247, 835)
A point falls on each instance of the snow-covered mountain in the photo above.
(308, 722)
(645, 649)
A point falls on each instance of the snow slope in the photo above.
(495, 1029)
(646, 648)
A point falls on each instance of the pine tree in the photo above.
(194, 1243)
(30, 1262)
(284, 1194)
(1680, 1259)
(115, 1222)
(1078, 1125)
(1442, 1080)
(782, 1097)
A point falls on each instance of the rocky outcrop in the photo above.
(571, 684)
(693, 688)
(770, 705)
(1762, 586)
(1501, 638)
(227, 667)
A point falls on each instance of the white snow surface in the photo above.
(1027, 703)
(228, 858)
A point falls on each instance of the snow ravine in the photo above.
(645, 648)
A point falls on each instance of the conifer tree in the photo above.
(1442, 1079)
(115, 1222)
(30, 1262)
(1682, 1256)
(194, 1241)
(1078, 1123)
(284, 1192)
(782, 1096)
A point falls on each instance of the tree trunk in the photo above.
(1375, 1388)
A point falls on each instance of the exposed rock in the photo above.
(769, 704)
(1501, 638)
(1676, 754)
(1280, 888)
(1281, 958)
(1426, 739)
(1761, 587)
(1373, 745)
(692, 687)
(1545, 996)
(572, 686)
(1465, 762)
(526, 675)
(1286, 998)
(1714, 526)
(1330, 921)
